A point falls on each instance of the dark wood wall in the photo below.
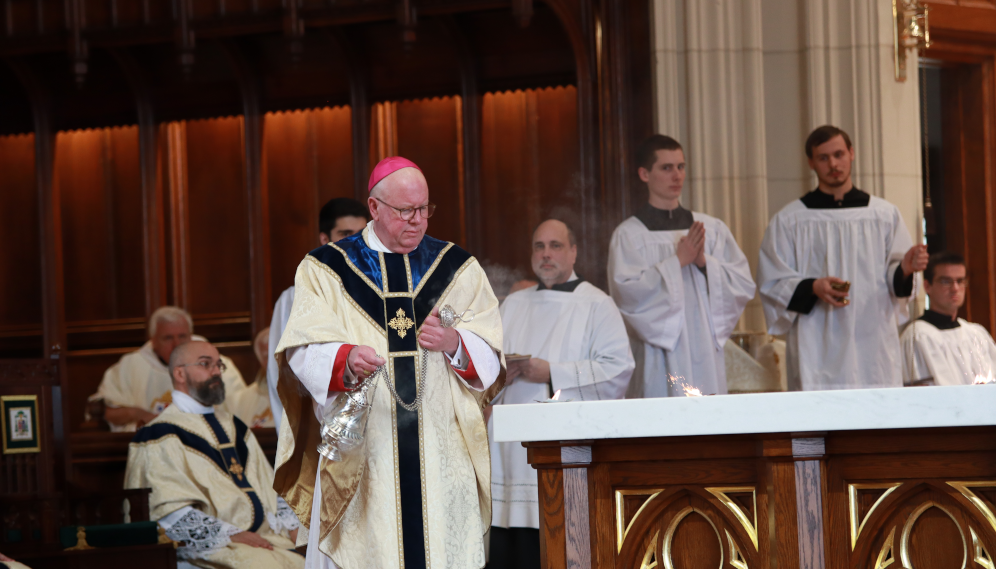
(153, 156)
(964, 45)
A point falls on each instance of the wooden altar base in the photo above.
(915, 498)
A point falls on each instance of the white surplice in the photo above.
(680, 316)
(855, 346)
(582, 335)
(281, 314)
(956, 356)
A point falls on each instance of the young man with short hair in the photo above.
(835, 270)
(338, 219)
(680, 281)
(948, 350)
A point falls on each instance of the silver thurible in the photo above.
(345, 424)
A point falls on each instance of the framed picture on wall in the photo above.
(19, 423)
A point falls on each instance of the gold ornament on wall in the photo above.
(910, 30)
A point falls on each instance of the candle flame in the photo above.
(556, 395)
(984, 379)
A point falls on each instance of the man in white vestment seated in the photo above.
(212, 486)
(417, 490)
(680, 281)
(836, 269)
(945, 349)
(339, 218)
(577, 343)
(252, 404)
(138, 386)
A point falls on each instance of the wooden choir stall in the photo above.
(864, 479)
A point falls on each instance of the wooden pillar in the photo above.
(796, 481)
(152, 202)
(359, 112)
(566, 531)
(471, 115)
(51, 466)
(261, 301)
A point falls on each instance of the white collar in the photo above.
(374, 242)
(188, 404)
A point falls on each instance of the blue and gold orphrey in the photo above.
(228, 456)
(396, 292)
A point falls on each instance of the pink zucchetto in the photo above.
(388, 166)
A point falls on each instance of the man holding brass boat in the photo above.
(394, 307)
(836, 269)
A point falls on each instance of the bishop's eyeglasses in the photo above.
(408, 213)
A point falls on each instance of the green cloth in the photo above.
(115, 535)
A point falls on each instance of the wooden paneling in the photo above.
(307, 160)
(20, 263)
(217, 271)
(97, 175)
(429, 134)
(855, 502)
(529, 170)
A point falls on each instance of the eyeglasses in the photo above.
(949, 282)
(408, 213)
(208, 366)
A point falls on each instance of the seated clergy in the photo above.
(578, 343)
(252, 404)
(948, 350)
(138, 387)
(212, 487)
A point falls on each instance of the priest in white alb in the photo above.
(417, 492)
(577, 343)
(212, 486)
(680, 281)
(138, 387)
(943, 348)
(836, 269)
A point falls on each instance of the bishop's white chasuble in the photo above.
(680, 317)
(210, 480)
(951, 352)
(578, 329)
(418, 492)
(860, 239)
(140, 379)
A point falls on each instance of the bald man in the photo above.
(212, 486)
(574, 341)
(417, 491)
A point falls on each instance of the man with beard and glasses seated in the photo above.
(212, 486)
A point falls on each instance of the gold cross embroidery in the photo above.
(401, 323)
(236, 468)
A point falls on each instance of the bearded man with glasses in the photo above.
(417, 491)
(945, 349)
(212, 486)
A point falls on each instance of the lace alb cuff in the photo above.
(284, 518)
(200, 534)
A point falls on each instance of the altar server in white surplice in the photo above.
(948, 350)
(835, 270)
(679, 279)
(338, 219)
(212, 486)
(578, 344)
